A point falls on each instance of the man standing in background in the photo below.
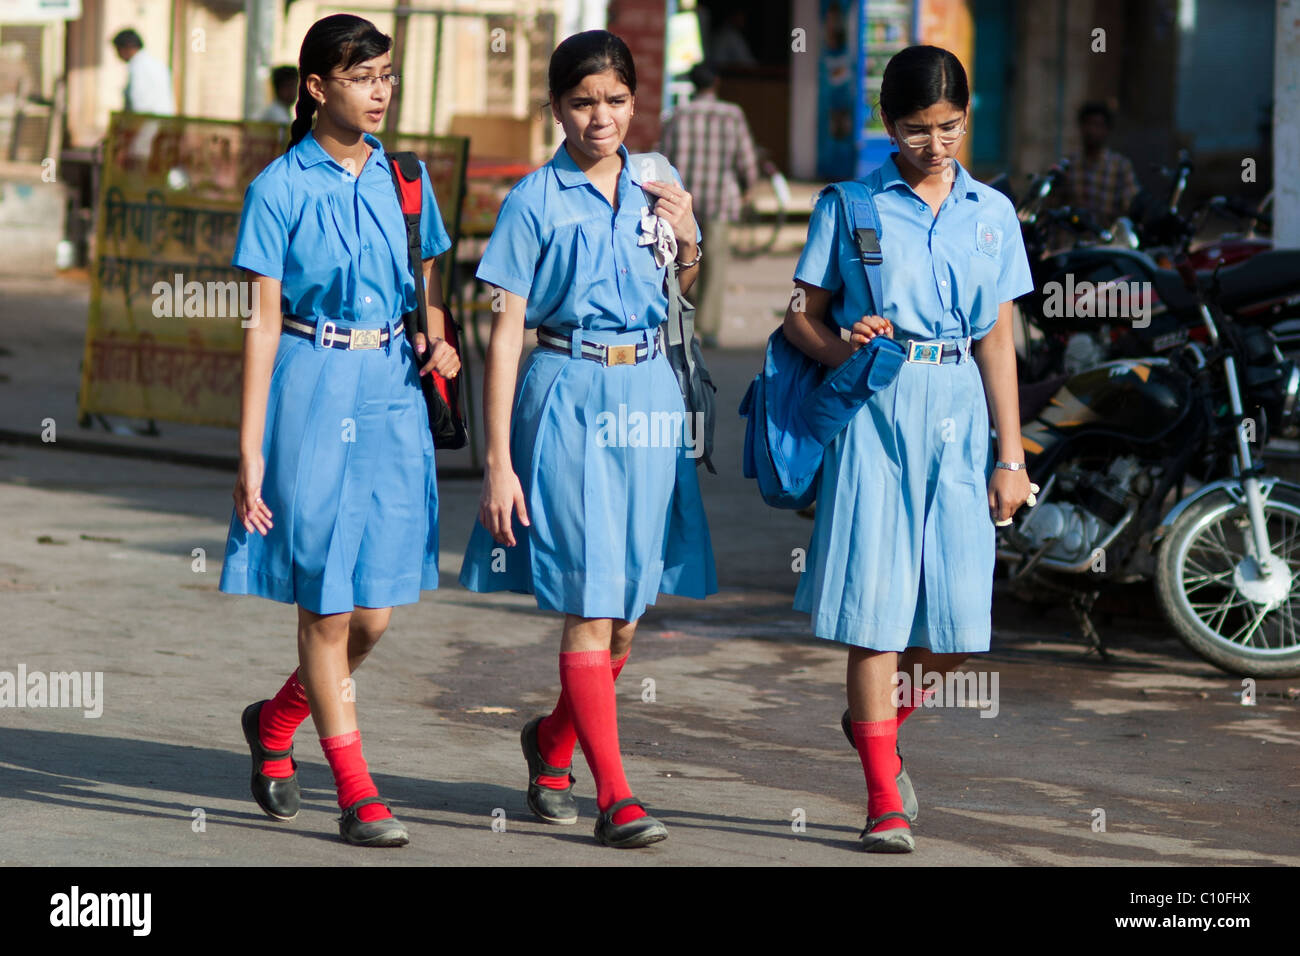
(284, 82)
(148, 81)
(709, 143)
(1099, 180)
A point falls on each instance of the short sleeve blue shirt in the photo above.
(942, 276)
(335, 241)
(559, 245)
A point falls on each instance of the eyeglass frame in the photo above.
(924, 138)
(368, 81)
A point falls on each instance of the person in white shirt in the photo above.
(149, 82)
(284, 81)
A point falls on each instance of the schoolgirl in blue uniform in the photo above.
(336, 501)
(900, 565)
(593, 525)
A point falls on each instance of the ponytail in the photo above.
(339, 41)
(303, 112)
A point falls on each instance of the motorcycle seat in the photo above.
(1265, 276)
(1173, 294)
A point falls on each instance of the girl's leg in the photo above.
(938, 663)
(556, 735)
(875, 730)
(367, 626)
(323, 646)
(282, 714)
(587, 681)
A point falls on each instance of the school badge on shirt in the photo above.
(988, 239)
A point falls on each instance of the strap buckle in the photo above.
(620, 355)
(364, 338)
(869, 246)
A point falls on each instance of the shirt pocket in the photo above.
(979, 292)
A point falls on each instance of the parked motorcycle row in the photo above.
(1149, 397)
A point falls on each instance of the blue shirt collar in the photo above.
(568, 173)
(309, 152)
(963, 186)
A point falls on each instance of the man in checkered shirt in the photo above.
(1099, 180)
(709, 143)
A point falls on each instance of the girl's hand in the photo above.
(674, 205)
(1008, 490)
(502, 495)
(249, 506)
(442, 360)
(867, 328)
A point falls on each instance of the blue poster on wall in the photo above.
(837, 82)
(858, 38)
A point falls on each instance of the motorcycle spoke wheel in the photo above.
(1209, 585)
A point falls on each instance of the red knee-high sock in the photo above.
(918, 700)
(556, 736)
(351, 776)
(876, 741)
(280, 717)
(588, 682)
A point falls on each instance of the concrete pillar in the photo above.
(259, 38)
(1286, 126)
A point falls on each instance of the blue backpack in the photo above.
(794, 406)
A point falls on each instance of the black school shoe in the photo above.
(905, 791)
(385, 832)
(548, 804)
(279, 797)
(635, 833)
(897, 840)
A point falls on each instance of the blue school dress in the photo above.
(902, 548)
(349, 458)
(614, 504)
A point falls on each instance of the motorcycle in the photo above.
(1078, 288)
(1114, 448)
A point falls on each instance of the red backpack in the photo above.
(441, 395)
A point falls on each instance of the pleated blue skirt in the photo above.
(902, 548)
(609, 480)
(350, 482)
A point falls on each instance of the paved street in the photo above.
(739, 745)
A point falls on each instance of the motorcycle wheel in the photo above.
(1206, 585)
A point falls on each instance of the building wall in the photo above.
(203, 43)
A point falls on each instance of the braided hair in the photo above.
(339, 41)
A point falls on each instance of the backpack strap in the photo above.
(681, 322)
(405, 167)
(858, 206)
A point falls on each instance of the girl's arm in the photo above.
(805, 326)
(502, 492)
(443, 359)
(995, 354)
(261, 340)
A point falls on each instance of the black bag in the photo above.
(441, 395)
(683, 348)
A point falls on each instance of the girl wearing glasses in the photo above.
(900, 565)
(336, 501)
(594, 526)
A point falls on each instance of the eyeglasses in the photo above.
(368, 82)
(947, 137)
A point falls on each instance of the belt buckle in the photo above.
(363, 338)
(927, 353)
(620, 355)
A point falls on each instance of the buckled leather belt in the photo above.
(346, 339)
(937, 351)
(605, 354)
